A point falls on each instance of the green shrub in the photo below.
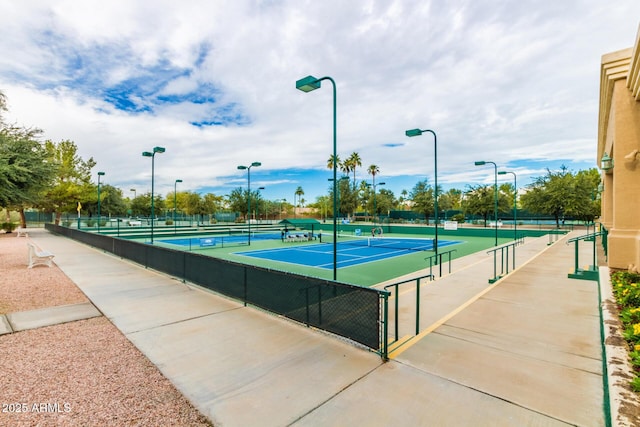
(626, 289)
(8, 226)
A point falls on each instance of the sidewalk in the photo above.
(523, 351)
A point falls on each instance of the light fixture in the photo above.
(307, 84)
(418, 132)
(248, 169)
(606, 163)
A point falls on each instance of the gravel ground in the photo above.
(83, 373)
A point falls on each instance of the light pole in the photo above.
(375, 207)
(307, 84)
(99, 175)
(281, 201)
(265, 205)
(175, 204)
(130, 211)
(418, 132)
(153, 157)
(248, 168)
(515, 202)
(495, 194)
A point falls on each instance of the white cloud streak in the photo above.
(509, 80)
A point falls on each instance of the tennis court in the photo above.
(351, 250)
(218, 240)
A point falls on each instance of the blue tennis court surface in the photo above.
(220, 240)
(348, 253)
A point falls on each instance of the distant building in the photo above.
(619, 154)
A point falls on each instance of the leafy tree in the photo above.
(385, 201)
(238, 201)
(563, 193)
(72, 181)
(212, 203)
(111, 201)
(452, 199)
(141, 205)
(421, 197)
(25, 171)
(479, 200)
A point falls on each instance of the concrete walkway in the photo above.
(523, 351)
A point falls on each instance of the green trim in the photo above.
(605, 373)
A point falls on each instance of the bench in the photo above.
(38, 256)
(21, 232)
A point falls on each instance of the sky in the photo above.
(515, 82)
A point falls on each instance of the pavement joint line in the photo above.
(511, 402)
(337, 393)
(464, 305)
(183, 320)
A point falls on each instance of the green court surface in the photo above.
(366, 274)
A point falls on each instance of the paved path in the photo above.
(523, 351)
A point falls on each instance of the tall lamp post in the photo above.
(152, 154)
(495, 194)
(248, 168)
(281, 201)
(418, 132)
(99, 175)
(307, 84)
(265, 205)
(375, 208)
(515, 202)
(175, 204)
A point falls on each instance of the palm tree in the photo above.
(373, 170)
(354, 162)
(345, 166)
(331, 160)
(299, 192)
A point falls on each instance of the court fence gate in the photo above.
(354, 312)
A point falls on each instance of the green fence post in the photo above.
(385, 326)
(418, 304)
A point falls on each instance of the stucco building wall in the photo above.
(619, 138)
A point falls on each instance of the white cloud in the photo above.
(503, 80)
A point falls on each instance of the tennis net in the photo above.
(409, 243)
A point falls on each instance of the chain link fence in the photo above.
(347, 310)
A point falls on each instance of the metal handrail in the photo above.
(438, 261)
(395, 286)
(504, 251)
(577, 240)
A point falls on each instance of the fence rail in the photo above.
(396, 293)
(591, 272)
